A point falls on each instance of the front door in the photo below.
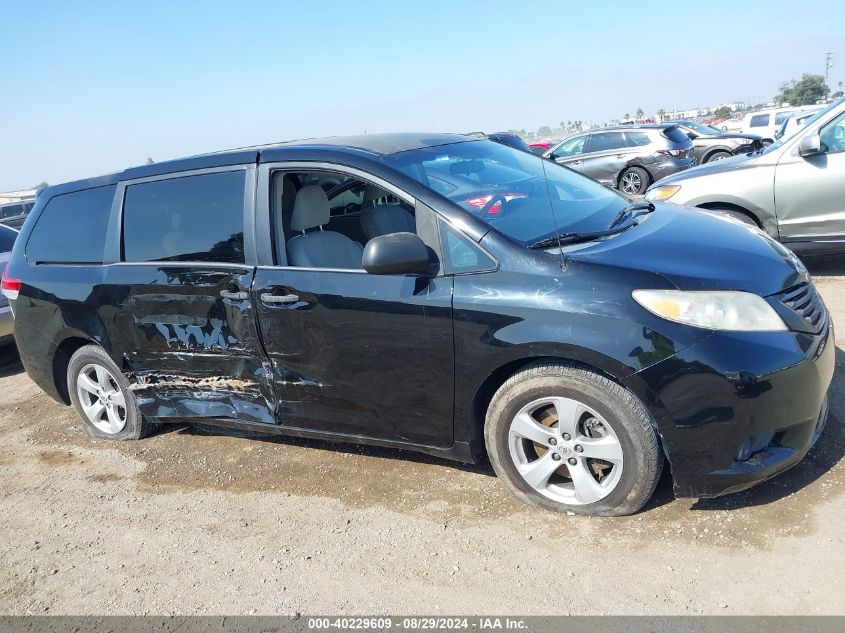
(810, 190)
(570, 153)
(353, 353)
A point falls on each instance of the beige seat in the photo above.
(378, 217)
(318, 249)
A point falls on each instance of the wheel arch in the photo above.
(715, 206)
(714, 150)
(61, 358)
(497, 377)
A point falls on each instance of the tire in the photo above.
(634, 181)
(717, 156)
(114, 415)
(737, 215)
(625, 434)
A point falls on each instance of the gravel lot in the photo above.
(205, 521)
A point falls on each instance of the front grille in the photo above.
(805, 301)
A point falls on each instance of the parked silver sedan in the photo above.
(7, 323)
(794, 189)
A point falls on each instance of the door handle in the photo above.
(268, 297)
(237, 295)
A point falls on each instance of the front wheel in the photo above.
(634, 181)
(717, 156)
(101, 396)
(567, 439)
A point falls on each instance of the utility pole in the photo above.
(828, 64)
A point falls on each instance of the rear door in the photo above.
(353, 353)
(810, 191)
(176, 297)
(605, 156)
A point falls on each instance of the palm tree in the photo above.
(626, 117)
(661, 114)
(640, 114)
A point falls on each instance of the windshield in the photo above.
(706, 130)
(512, 191)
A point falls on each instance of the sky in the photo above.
(94, 87)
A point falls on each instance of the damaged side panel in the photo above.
(189, 343)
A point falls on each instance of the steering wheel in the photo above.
(492, 203)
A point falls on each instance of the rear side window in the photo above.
(12, 210)
(7, 239)
(759, 120)
(637, 139)
(606, 141)
(194, 218)
(780, 117)
(676, 135)
(72, 228)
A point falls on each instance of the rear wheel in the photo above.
(634, 181)
(565, 438)
(101, 396)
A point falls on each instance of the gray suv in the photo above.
(794, 189)
(628, 158)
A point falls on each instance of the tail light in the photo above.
(11, 286)
(672, 152)
(479, 202)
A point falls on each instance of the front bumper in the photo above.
(739, 408)
(7, 324)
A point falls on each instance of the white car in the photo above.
(765, 123)
(797, 120)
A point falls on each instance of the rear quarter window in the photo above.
(7, 239)
(676, 135)
(72, 228)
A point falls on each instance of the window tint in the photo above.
(759, 120)
(676, 135)
(72, 228)
(637, 139)
(462, 255)
(195, 218)
(606, 141)
(7, 239)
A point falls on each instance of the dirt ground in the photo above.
(206, 521)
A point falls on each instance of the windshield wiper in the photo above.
(573, 238)
(629, 212)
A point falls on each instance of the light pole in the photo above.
(828, 63)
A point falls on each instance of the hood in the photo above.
(743, 161)
(735, 136)
(698, 250)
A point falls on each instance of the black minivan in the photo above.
(435, 293)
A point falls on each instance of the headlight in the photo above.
(728, 310)
(662, 193)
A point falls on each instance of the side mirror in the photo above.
(692, 136)
(810, 146)
(398, 254)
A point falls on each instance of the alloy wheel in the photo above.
(102, 399)
(565, 451)
(631, 182)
